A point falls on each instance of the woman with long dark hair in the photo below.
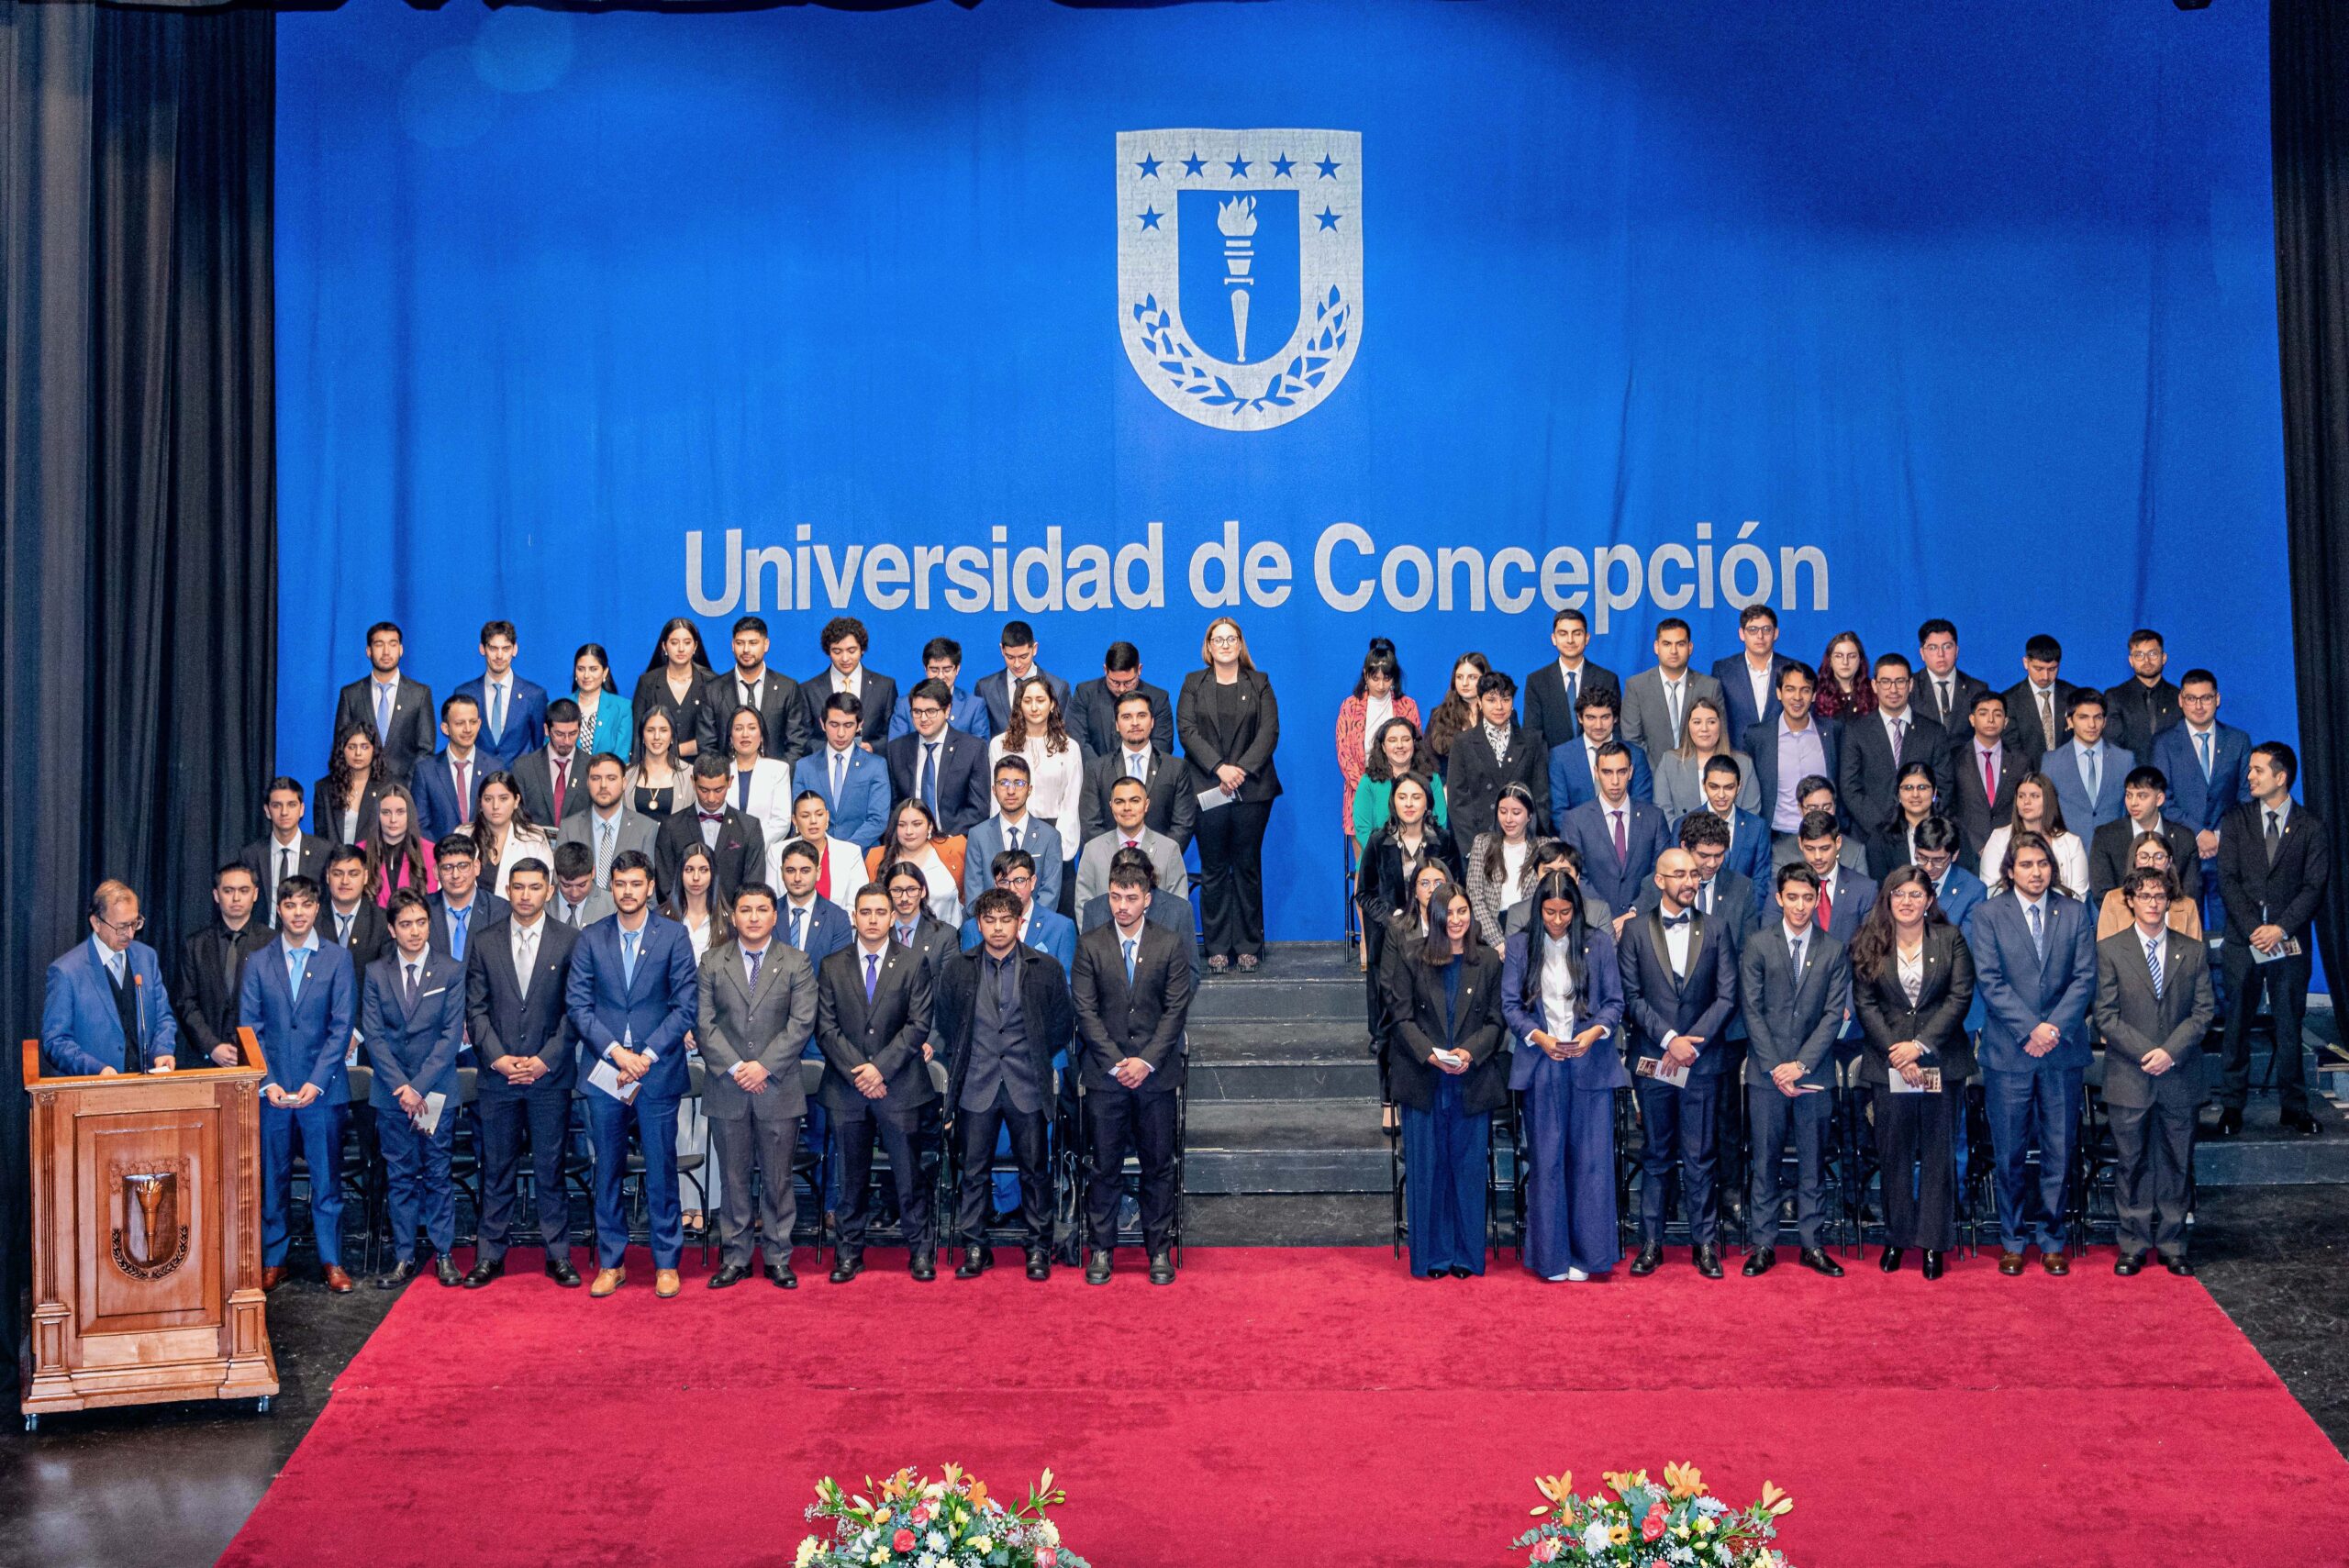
(2037, 810)
(1385, 880)
(1563, 999)
(1912, 980)
(1396, 748)
(342, 807)
(1377, 698)
(1844, 689)
(606, 719)
(398, 855)
(1500, 865)
(1457, 711)
(503, 834)
(1447, 1065)
(674, 683)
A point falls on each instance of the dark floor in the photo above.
(167, 1486)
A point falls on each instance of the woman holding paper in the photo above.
(1230, 725)
(1447, 1062)
(1912, 980)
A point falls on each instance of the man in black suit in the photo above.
(937, 765)
(2152, 1006)
(1488, 757)
(738, 846)
(845, 640)
(790, 726)
(1944, 693)
(394, 709)
(1093, 706)
(2274, 858)
(911, 924)
(284, 851)
(1749, 678)
(1172, 809)
(2145, 704)
(2112, 854)
(1164, 909)
(1019, 642)
(350, 920)
(1553, 691)
(516, 969)
(1003, 1012)
(212, 970)
(2039, 705)
(1876, 747)
(873, 1020)
(1132, 994)
(1679, 988)
(1984, 766)
(554, 778)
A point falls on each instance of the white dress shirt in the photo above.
(1557, 989)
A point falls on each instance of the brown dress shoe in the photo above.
(665, 1284)
(608, 1281)
(2010, 1263)
(272, 1276)
(2055, 1262)
(337, 1282)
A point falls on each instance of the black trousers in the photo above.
(541, 1116)
(1118, 1120)
(1231, 876)
(2285, 981)
(1775, 1120)
(855, 1136)
(1913, 1135)
(975, 1135)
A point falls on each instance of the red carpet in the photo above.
(1304, 1408)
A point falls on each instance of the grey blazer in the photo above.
(770, 1027)
(2133, 1022)
(1791, 1019)
(637, 831)
(1647, 722)
(1165, 859)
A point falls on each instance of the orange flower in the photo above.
(1775, 1502)
(1557, 1489)
(1684, 1481)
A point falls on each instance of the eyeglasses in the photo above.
(129, 927)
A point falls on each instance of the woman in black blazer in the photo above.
(342, 811)
(673, 683)
(1230, 725)
(1912, 980)
(1384, 881)
(1448, 1067)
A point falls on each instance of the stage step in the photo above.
(1286, 1146)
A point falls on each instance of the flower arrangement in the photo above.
(1677, 1524)
(950, 1522)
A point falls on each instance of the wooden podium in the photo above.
(146, 1230)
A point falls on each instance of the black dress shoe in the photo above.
(846, 1266)
(2230, 1123)
(444, 1269)
(2300, 1122)
(2178, 1267)
(2127, 1263)
(483, 1270)
(1934, 1263)
(1650, 1258)
(1760, 1261)
(1461, 1271)
(1708, 1260)
(924, 1267)
(1097, 1266)
(781, 1276)
(1161, 1268)
(728, 1275)
(1890, 1259)
(560, 1271)
(1816, 1260)
(408, 1269)
(976, 1261)
(1040, 1263)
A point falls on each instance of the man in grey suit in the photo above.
(872, 1009)
(1656, 701)
(2152, 1003)
(606, 823)
(758, 1012)
(1796, 982)
(1129, 803)
(577, 902)
(1013, 826)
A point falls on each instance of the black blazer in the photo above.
(488, 910)
(500, 1021)
(416, 726)
(1655, 1004)
(684, 718)
(2287, 894)
(1247, 740)
(309, 860)
(1976, 816)
(1415, 1000)
(741, 855)
(1380, 887)
(1093, 715)
(2022, 718)
(2113, 846)
(212, 972)
(1115, 1020)
(934, 942)
(1473, 781)
(1046, 1010)
(791, 729)
(879, 697)
(886, 1033)
(2139, 713)
(1547, 713)
(965, 792)
(1956, 720)
(1868, 784)
(1173, 807)
(371, 933)
(326, 816)
(534, 774)
(1937, 1021)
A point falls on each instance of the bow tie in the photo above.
(1674, 922)
(711, 815)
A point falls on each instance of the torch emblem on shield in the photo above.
(151, 1242)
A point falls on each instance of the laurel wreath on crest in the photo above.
(1192, 376)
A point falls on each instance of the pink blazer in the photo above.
(1352, 757)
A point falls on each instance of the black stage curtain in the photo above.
(138, 484)
(2309, 106)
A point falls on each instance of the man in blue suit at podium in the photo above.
(105, 1010)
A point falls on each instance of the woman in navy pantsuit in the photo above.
(1447, 1067)
(1563, 999)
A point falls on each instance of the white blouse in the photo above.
(2070, 861)
(519, 847)
(1056, 787)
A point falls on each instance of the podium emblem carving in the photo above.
(152, 1242)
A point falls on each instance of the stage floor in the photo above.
(1312, 1407)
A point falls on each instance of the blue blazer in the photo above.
(984, 841)
(615, 727)
(1048, 931)
(1571, 783)
(417, 1049)
(1701, 1005)
(81, 1028)
(965, 713)
(1749, 851)
(2019, 992)
(1617, 881)
(1961, 894)
(1737, 696)
(656, 1011)
(2198, 803)
(827, 932)
(860, 815)
(2081, 814)
(435, 789)
(304, 1038)
(1598, 1070)
(1761, 745)
(526, 718)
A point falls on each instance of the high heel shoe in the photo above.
(1890, 1261)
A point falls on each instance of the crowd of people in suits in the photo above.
(1739, 893)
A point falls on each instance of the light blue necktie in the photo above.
(459, 920)
(497, 711)
(840, 777)
(798, 930)
(2038, 933)
(1135, 765)
(383, 710)
(1130, 963)
(629, 940)
(2093, 757)
(2203, 742)
(1573, 685)
(298, 962)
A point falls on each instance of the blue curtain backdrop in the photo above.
(1943, 307)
